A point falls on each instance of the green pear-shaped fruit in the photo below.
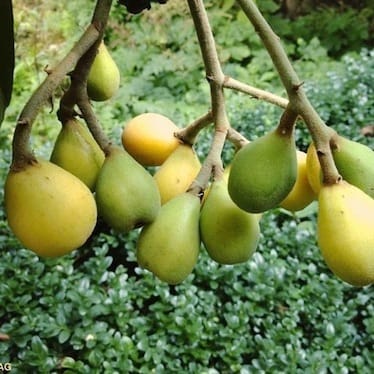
(169, 246)
(49, 210)
(229, 234)
(104, 77)
(263, 172)
(126, 194)
(76, 151)
(355, 163)
(346, 232)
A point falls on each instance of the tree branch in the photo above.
(215, 77)
(299, 103)
(22, 153)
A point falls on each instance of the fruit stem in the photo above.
(287, 122)
(22, 153)
(298, 101)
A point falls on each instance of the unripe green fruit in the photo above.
(229, 234)
(76, 151)
(104, 77)
(355, 163)
(263, 172)
(126, 194)
(169, 246)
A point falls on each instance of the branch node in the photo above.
(297, 86)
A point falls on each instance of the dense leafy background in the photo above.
(95, 311)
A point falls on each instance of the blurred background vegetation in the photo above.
(95, 311)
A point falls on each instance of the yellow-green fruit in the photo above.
(48, 209)
(263, 172)
(229, 234)
(346, 232)
(76, 151)
(177, 173)
(126, 194)
(355, 163)
(169, 246)
(301, 194)
(104, 77)
(149, 138)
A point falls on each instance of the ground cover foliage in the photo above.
(95, 311)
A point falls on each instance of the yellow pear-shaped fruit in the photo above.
(49, 210)
(169, 246)
(149, 138)
(76, 151)
(177, 173)
(313, 169)
(263, 172)
(301, 194)
(346, 232)
(355, 163)
(229, 234)
(104, 77)
(126, 194)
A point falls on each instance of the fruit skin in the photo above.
(313, 169)
(177, 173)
(126, 194)
(355, 163)
(229, 234)
(76, 151)
(346, 232)
(149, 138)
(301, 194)
(263, 172)
(104, 77)
(169, 246)
(48, 209)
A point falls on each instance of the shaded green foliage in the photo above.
(96, 311)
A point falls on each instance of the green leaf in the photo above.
(7, 54)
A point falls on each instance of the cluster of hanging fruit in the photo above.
(52, 206)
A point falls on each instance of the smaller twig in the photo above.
(22, 153)
(93, 123)
(189, 133)
(256, 93)
(236, 138)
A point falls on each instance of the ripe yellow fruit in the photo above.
(149, 138)
(346, 232)
(313, 169)
(177, 173)
(301, 194)
(49, 210)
